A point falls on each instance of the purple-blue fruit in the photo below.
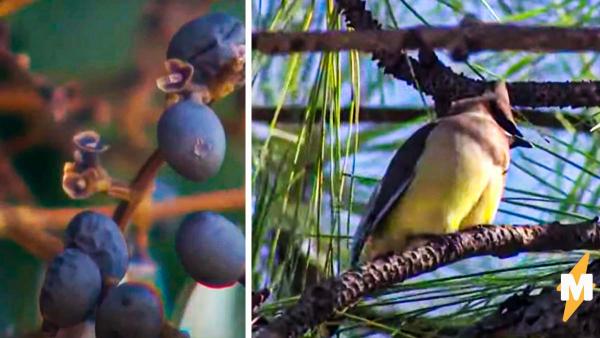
(130, 310)
(207, 43)
(71, 288)
(211, 249)
(99, 236)
(192, 140)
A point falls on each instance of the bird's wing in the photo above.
(394, 183)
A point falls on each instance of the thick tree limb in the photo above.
(458, 40)
(439, 81)
(295, 114)
(525, 315)
(320, 302)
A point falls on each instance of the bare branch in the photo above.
(295, 114)
(320, 302)
(458, 40)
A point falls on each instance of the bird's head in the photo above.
(501, 111)
(496, 103)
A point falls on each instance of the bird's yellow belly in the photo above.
(455, 186)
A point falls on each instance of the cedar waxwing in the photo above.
(448, 176)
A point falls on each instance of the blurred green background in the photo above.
(93, 65)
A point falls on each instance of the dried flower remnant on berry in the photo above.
(208, 43)
(85, 176)
(179, 75)
(89, 146)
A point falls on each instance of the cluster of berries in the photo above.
(82, 283)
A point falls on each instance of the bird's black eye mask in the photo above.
(509, 126)
(497, 114)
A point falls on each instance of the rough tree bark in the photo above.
(320, 302)
(460, 41)
(445, 86)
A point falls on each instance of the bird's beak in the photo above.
(517, 137)
(520, 142)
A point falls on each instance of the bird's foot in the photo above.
(415, 241)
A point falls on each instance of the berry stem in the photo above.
(139, 189)
(119, 190)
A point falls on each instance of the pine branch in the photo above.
(435, 79)
(295, 114)
(460, 40)
(321, 302)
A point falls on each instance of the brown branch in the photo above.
(526, 315)
(320, 302)
(43, 106)
(222, 200)
(10, 7)
(28, 225)
(463, 39)
(139, 189)
(13, 185)
(439, 81)
(36, 241)
(295, 114)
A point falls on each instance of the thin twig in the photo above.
(139, 189)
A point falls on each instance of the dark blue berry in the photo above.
(207, 43)
(192, 140)
(71, 288)
(98, 236)
(211, 249)
(130, 310)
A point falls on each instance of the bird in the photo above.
(447, 176)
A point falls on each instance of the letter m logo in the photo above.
(576, 286)
(571, 290)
